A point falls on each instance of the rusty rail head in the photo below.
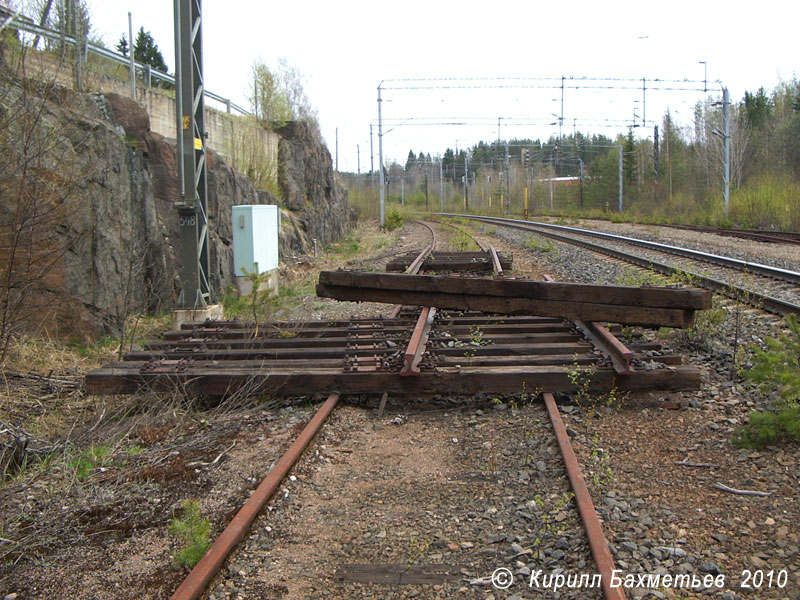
(498, 269)
(415, 266)
(591, 523)
(197, 580)
(607, 342)
(419, 338)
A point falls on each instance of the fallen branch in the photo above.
(725, 488)
(67, 382)
(687, 463)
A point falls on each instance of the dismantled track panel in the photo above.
(437, 262)
(464, 353)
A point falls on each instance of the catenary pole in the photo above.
(620, 178)
(380, 157)
(726, 150)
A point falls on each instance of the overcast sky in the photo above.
(346, 49)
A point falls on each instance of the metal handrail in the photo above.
(31, 27)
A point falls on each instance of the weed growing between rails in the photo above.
(776, 372)
(538, 244)
(581, 379)
(599, 471)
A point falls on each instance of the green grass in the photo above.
(775, 369)
(393, 220)
(193, 532)
(539, 245)
(88, 460)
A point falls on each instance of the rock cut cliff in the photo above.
(120, 234)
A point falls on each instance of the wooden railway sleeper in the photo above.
(166, 366)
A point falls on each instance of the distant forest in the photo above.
(672, 174)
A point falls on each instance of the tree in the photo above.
(270, 102)
(146, 51)
(39, 186)
(277, 95)
(410, 161)
(122, 45)
(629, 159)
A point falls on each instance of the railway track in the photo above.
(738, 279)
(440, 574)
(759, 235)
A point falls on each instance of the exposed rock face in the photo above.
(122, 231)
(310, 189)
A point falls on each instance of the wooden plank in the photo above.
(520, 347)
(222, 381)
(498, 335)
(650, 297)
(628, 315)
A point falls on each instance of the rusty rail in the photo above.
(419, 338)
(205, 570)
(591, 523)
(498, 268)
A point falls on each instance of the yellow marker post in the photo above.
(525, 211)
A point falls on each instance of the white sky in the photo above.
(345, 49)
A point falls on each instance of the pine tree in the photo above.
(122, 46)
(146, 51)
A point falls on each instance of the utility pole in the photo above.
(705, 76)
(337, 149)
(508, 183)
(561, 118)
(656, 153)
(371, 158)
(533, 185)
(79, 44)
(441, 186)
(130, 54)
(644, 100)
(358, 158)
(466, 183)
(427, 203)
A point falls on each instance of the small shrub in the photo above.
(768, 428)
(775, 368)
(539, 245)
(393, 220)
(193, 531)
(707, 324)
(88, 460)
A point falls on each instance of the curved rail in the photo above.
(724, 261)
(758, 235)
(467, 233)
(768, 303)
